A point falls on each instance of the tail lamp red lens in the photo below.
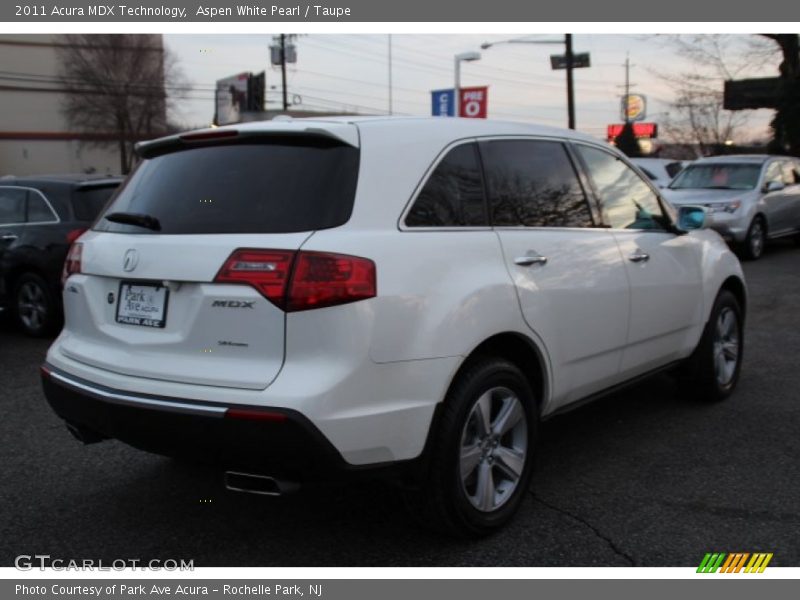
(295, 281)
(74, 234)
(73, 262)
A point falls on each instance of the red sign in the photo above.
(473, 102)
(640, 130)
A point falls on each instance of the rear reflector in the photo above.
(295, 281)
(248, 414)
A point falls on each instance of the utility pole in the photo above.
(570, 83)
(627, 87)
(390, 73)
(283, 72)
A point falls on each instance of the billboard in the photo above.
(236, 94)
(443, 103)
(633, 107)
(640, 130)
(474, 102)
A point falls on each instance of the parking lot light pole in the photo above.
(459, 58)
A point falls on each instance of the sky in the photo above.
(336, 72)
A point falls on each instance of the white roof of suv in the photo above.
(346, 129)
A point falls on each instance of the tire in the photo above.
(35, 309)
(464, 505)
(753, 246)
(712, 371)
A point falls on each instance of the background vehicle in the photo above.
(661, 171)
(753, 198)
(311, 299)
(40, 216)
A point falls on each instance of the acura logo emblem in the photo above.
(130, 260)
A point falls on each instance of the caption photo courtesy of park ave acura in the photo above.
(311, 300)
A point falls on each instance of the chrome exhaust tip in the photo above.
(264, 485)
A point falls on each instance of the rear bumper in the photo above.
(278, 442)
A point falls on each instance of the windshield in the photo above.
(717, 177)
(272, 186)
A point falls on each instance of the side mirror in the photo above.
(692, 217)
(773, 186)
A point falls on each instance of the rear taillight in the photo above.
(295, 281)
(322, 279)
(74, 234)
(73, 262)
(266, 270)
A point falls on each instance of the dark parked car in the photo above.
(40, 216)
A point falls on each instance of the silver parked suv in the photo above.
(753, 198)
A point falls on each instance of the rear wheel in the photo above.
(753, 246)
(34, 306)
(481, 461)
(712, 371)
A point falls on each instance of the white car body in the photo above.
(369, 374)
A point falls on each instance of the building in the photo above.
(35, 135)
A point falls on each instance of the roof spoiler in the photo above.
(343, 133)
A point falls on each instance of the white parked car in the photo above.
(307, 299)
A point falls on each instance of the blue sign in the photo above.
(443, 103)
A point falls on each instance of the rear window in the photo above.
(270, 186)
(87, 202)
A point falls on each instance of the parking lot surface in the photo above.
(645, 477)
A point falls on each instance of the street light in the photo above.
(459, 58)
(568, 54)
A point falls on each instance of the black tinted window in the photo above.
(275, 186)
(12, 206)
(453, 195)
(627, 201)
(87, 202)
(534, 184)
(38, 211)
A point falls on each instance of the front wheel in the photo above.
(481, 459)
(753, 246)
(712, 371)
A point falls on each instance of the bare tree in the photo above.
(696, 117)
(115, 88)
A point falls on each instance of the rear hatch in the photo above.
(145, 301)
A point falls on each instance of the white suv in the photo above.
(304, 299)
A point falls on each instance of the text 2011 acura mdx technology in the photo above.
(304, 299)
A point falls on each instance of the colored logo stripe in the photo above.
(734, 562)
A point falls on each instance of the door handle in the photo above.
(639, 256)
(530, 259)
(9, 237)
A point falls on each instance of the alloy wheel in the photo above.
(494, 448)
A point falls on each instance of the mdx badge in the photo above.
(234, 303)
(130, 260)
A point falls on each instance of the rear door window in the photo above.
(12, 206)
(453, 194)
(272, 186)
(38, 210)
(533, 183)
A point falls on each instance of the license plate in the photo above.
(142, 304)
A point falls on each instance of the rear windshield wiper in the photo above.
(137, 219)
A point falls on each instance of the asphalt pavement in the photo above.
(645, 477)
